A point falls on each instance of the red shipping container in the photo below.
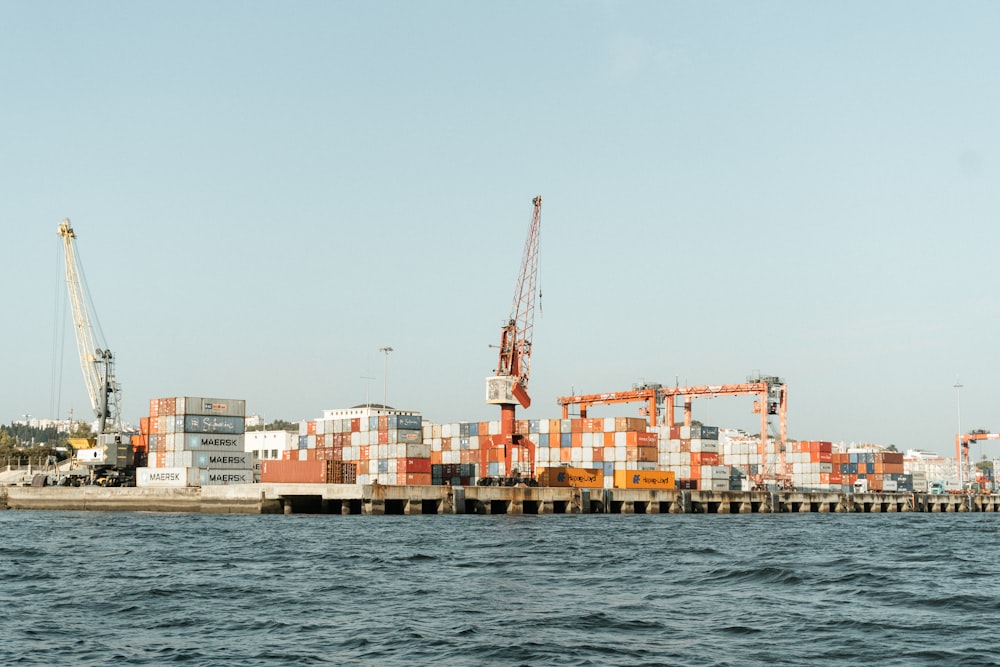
(417, 479)
(356, 425)
(648, 439)
(413, 465)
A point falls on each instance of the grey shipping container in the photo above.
(223, 407)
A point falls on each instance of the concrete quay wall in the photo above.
(377, 499)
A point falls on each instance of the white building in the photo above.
(269, 445)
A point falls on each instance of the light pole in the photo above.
(385, 375)
(958, 400)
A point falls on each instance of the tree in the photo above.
(891, 448)
(81, 429)
(277, 425)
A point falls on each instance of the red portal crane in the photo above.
(966, 473)
(509, 386)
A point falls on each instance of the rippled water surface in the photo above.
(151, 589)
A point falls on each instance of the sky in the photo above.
(265, 194)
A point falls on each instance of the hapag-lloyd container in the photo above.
(223, 407)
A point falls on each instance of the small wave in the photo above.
(771, 575)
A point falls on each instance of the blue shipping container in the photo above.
(543, 439)
(214, 424)
(565, 439)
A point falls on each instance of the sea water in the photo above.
(98, 588)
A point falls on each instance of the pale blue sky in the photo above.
(266, 193)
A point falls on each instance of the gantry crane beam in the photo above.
(771, 392)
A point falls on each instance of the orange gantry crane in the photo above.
(771, 392)
(508, 387)
(962, 442)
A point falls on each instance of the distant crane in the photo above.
(966, 472)
(509, 386)
(97, 363)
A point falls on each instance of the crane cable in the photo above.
(58, 342)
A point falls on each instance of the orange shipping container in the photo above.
(644, 479)
(576, 439)
(574, 477)
(414, 478)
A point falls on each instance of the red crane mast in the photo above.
(509, 386)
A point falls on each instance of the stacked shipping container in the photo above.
(384, 449)
(880, 471)
(196, 441)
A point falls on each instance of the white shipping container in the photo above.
(172, 477)
(416, 451)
